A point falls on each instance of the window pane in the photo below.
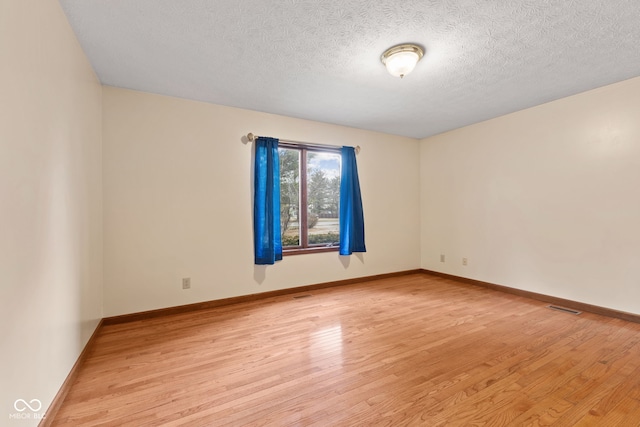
(323, 198)
(289, 196)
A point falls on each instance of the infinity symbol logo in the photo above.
(21, 405)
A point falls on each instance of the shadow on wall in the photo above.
(259, 273)
(346, 259)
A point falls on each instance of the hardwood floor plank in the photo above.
(409, 350)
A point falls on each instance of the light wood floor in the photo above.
(414, 350)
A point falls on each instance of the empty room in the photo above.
(308, 213)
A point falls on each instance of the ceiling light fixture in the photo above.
(402, 59)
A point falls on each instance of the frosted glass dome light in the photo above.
(402, 59)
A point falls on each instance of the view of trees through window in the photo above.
(309, 197)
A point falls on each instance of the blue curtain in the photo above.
(266, 202)
(351, 216)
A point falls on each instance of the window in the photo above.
(317, 214)
(309, 198)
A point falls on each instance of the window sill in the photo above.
(312, 250)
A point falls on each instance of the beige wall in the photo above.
(545, 199)
(177, 202)
(50, 202)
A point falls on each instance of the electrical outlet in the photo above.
(464, 261)
(186, 283)
(441, 257)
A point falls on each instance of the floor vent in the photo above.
(302, 296)
(563, 309)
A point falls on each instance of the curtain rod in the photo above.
(251, 137)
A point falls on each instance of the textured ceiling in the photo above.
(319, 60)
